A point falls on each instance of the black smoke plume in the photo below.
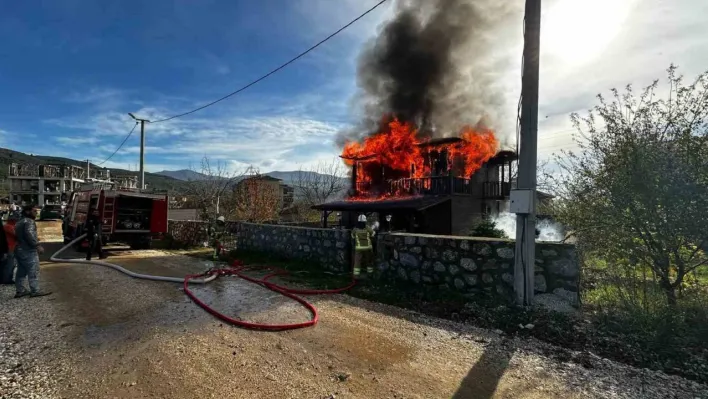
(431, 65)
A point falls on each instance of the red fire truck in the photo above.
(127, 216)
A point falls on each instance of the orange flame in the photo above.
(398, 152)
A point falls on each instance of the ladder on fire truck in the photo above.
(108, 208)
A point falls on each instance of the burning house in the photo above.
(425, 152)
(434, 186)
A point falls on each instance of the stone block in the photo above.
(438, 267)
(487, 278)
(416, 250)
(431, 253)
(422, 241)
(539, 283)
(546, 253)
(395, 254)
(414, 276)
(452, 243)
(408, 260)
(563, 267)
(482, 249)
(427, 279)
(341, 244)
(459, 283)
(471, 279)
(465, 245)
(508, 278)
(402, 274)
(505, 253)
(453, 269)
(490, 265)
(425, 265)
(468, 264)
(410, 240)
(449, 255)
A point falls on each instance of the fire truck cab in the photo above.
(127, 216)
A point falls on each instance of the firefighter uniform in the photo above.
(216, 236)
(363, 248)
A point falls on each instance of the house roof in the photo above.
(411, 204)
(262, 177)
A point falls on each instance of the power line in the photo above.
(120, 146)
(276, 69)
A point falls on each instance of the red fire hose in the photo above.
(238, 269)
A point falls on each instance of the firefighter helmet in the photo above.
(362, 218)
(221, 219)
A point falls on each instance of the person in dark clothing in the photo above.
(93, 235)
(5, 256)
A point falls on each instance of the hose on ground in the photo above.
(237, 269)
(55, 258)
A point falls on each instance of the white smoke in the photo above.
(506, 222)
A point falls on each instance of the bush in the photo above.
(488, 228)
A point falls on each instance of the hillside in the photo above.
(288, 177)
(153, 180)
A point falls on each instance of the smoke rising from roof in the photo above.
(431, 65)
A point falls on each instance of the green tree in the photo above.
(488, 228)
(637, 189)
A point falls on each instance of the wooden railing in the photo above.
(439, 185)
(496, 189)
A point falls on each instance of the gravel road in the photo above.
(104, 335)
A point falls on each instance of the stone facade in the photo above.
(186, 234)
(327, 247)
(465, 264)
(474, 265)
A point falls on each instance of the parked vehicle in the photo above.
(50, 212)
(127, 216)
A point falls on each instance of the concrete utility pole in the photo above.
(141, 182)
(523, 199)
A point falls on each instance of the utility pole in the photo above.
(141, 177)
(523, 199)
(88, 169)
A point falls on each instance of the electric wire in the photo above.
(120, 146)
(274, 71)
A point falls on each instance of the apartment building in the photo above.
(44, 184)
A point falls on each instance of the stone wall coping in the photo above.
(470, 238)
(290, 227)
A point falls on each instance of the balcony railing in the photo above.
(496, 189)
(438, 185)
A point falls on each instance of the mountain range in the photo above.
(288, 177)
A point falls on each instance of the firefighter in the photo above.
(216, 236)
(93, 235)
(27, 252)
(8, 263)
(363, 248)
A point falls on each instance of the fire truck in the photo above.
(127, 216)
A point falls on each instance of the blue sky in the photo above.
(71, 70)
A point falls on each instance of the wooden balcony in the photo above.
(438, 185)
(496, 189)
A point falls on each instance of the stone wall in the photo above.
(474, 265)
(190, 233)
(327, 247)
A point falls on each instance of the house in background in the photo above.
(267, 185)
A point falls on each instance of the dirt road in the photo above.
(105, 335)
